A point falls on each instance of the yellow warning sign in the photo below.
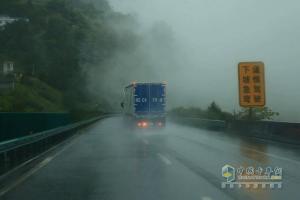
(251, 84)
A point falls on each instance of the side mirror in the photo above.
(122, 104)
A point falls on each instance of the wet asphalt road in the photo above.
(110, 162)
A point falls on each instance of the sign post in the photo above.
(251, 85)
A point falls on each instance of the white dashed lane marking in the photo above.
(164, 159)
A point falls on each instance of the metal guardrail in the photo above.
(14, 152)
(198, 122)
(269, 130)
(20, 124)
(284, 132)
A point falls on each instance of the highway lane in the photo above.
(109, 161)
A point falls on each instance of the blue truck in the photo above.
(144, 104)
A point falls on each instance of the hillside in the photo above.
(32, 95)
(59, 40)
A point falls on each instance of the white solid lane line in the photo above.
(164, 159)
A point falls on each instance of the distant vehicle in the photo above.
(144, 104)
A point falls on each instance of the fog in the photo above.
(195, 45)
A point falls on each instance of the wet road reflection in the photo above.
(110, 161)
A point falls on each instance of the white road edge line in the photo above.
(269, 154)
(274, 156)
(257, 151)
(164, 159)
(32, 171)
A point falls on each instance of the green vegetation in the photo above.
(263, 113)
(55, 43)
(32, 95)
(52, 42)
(213, 112)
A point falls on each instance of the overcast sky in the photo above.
(215, 35)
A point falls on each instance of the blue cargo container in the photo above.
(144, 104)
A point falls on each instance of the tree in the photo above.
(263, 113)
(213, 111)
(63, 40)
(214, 108)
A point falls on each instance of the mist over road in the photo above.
(212, 38)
